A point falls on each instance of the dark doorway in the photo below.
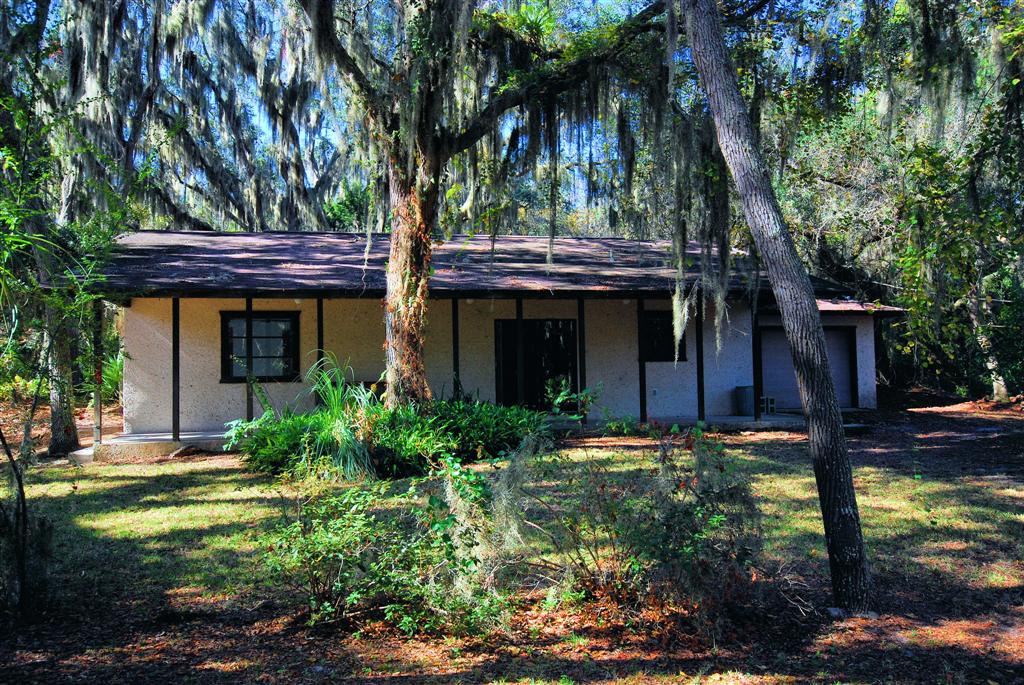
(549, 353)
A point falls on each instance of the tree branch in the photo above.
(556, 78)
(563, 76)
(325, 39)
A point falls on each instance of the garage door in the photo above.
(780, 378)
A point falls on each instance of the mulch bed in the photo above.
(13, 416)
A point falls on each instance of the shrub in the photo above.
(112, 377)
(363, 555)
(352, 433)
(313, 444)
(625, 427)
(682, 536)
(18, 389)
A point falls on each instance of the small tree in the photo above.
(795, 297)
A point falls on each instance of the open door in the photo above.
(549, 353)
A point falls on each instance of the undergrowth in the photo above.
(351, 433)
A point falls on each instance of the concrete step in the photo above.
(145, 445)
(83, 456)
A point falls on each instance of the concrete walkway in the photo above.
(148, 445)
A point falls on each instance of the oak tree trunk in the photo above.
(795, 298)
(414, 205)
(980, 315)
(60, 363)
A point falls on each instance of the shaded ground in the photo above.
(156, 562)
(12, 420)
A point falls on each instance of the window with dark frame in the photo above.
(658, 339)
(275, 347)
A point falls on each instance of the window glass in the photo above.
(657, 338)
(267, 347)
(275, 346)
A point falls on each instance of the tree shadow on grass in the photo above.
(140, 548)
(135, 608)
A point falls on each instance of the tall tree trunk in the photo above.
(60, 364)
(800, 317)
(414, 205)
(980, 315)
(978, 308)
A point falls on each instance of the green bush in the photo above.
(623, 427)
(17, 389)
(351, 433)
(112, 377)
(409, 439)
(682, 536)
(313, 444)
(363, 555)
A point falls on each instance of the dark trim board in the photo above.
(319, 331)
(97, 361)
(456, 362)
(581, 348)
(520, 354)
(699, 347)
(124, 297)
(317, 399)
(249, 414)
(641, 362)
(758, 361)
(175, 369)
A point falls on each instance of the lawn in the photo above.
(157, 570)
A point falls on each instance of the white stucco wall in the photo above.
(672, 387)
(206, 403)
(354, 331)
(867, 397)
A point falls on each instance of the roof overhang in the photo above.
(306, 265)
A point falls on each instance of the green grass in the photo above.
(943, 522)
(187, 525)
(194, 524)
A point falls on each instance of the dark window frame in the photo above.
(291, 355)
(652, 349)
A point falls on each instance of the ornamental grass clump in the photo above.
(352, 434)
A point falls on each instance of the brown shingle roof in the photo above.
(151, 263)
(281, 264)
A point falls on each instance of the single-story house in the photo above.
(503, 318)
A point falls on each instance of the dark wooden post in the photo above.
(248, 359)
(641, 362)
(319, 345)
(456, 377)
(755, 338)
(97, 352)
(319, 331)
(520, 355)
(581, 346)
(175, 369)
(701, 416)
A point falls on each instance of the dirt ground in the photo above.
(12, 420)
(950, 607)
